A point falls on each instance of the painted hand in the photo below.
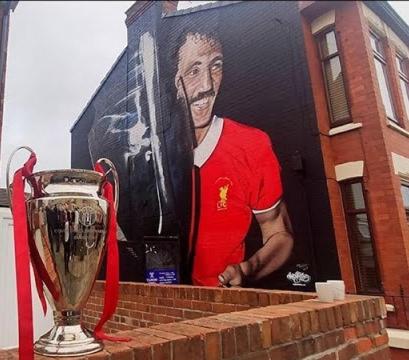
(233, 275)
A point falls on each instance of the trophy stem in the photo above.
(69, 317)
(68, 337)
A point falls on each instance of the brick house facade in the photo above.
(372, 146)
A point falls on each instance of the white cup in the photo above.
(325, 291)
(338, 288)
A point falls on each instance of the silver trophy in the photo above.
(68, 222)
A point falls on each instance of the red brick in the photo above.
(228, 343)
(320, 344)
(347, 352)
(259, 355)
(212, 346)
(331, 356)
(249, 297)
(183, 304)
(118, 351)
(263, 299)
(274, 299)
(363, 345)
(222, 308)
(226, 331)
(306, 347)
(350, 333)
(334, 339)
(360, 330)
(241, 334)
(379, 340)
(285, 352)
(192, 314)
(161, 351)
(259, 330)
(281, 330)
(101, 355)
(166, 302)
(202, 305)
(218, 295)
(372, 327)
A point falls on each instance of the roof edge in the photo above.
(101, 84)
(391, 18)
(212, 5)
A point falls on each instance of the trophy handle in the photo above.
(8, 170)
(116, 179)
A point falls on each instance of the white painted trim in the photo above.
(390, 308)
(400, 164)
(255, 212)
(349, 170)
(207, 146)
(399, 129)
(344, 128)
(323, 21)
(398, 338)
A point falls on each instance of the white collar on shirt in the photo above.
(207, 146)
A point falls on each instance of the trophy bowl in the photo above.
(68, 224)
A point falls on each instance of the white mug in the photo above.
(338, 288)
(325, 291)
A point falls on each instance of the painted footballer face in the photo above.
(199, 75)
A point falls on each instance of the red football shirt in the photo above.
(239, 175)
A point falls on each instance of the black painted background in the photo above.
(266, 85)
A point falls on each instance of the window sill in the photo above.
(398, 338)
(397, 128)
(344, 128)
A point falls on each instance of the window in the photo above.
(404, 188)
(403, 81)
(360, 238)
(334, 81)
(380, 66)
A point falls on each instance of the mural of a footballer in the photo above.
(239, 175)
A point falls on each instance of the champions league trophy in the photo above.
(68, 221)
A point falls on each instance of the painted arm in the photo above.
(278, 242)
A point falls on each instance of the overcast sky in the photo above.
(58, 53)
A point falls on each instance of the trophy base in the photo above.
(67, 340)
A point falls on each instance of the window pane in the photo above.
(376, 44)
(398, 64)
(328, 45)
(383, 86)
(354, 196)
(362, 241)
(374, 41)
(336, 89)
(405, 94)
(405, 195)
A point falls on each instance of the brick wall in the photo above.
(372, 143)
(143, 305)
(277, 325)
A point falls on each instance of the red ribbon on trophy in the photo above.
(112, 265)
(24, 250)
(22, 259)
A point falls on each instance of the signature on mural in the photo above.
(299, 278)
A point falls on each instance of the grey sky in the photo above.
(58, 54)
